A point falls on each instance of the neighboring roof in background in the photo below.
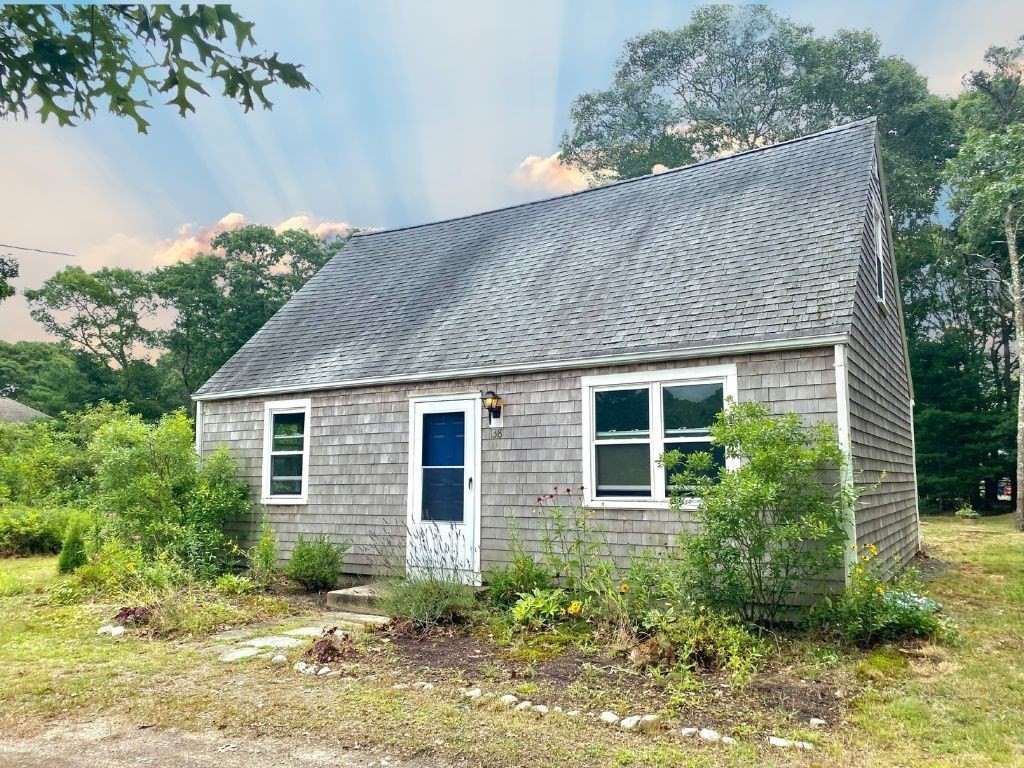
(13, 411)
(758, 247)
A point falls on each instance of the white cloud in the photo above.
(549, 175)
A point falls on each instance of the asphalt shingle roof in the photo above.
(13, 411)
(759, 246)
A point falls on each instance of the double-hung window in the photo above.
(630, 420)
(286, 452)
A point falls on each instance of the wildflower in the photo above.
(624, 588)
(574, 608)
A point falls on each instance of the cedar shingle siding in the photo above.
(359, 450)
(881, 417)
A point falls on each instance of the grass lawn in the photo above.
(959, 705)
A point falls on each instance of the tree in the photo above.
(736, 78)
(101, 312)
(220, 300)
(67, 61)
(8, 271)
(53, 378)
(987, 193)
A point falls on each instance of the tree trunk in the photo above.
(1010, 229)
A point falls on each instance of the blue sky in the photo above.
(422, 111)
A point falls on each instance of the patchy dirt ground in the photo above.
(104, 743)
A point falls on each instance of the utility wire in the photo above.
(38, 250)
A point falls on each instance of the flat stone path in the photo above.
(238, 644)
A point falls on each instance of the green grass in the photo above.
(957, 705)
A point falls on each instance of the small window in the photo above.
(879, 260)
(286, 452)
(633, 419)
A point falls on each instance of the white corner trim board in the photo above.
(743, 348)
(843, 433)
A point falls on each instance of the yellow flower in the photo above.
(624, 588)
(574, 608)
(879, 589)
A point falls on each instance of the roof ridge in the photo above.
(621, 182)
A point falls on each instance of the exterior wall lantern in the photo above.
(493, 403)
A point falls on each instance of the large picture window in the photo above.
(632, 419)
(286, 452)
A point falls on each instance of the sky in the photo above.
(421, 111)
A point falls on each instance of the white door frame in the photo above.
(473, 468)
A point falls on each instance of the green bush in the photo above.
(233, 584)
(544, 607)
(966, 512)
(25, 531)
(875, 610)
(770, 528)
(123, 570)
(152, 489)
(316, 564)
(508, 583)
(72, 553)
(425, 602)
(701, 640)
(262, 557)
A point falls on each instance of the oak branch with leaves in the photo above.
(68, 61)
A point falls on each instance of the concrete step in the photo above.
(359, 599)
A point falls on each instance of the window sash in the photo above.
(285, 445)
(658, 437)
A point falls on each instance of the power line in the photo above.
(38, 250)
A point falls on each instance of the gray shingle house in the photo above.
(612, 324)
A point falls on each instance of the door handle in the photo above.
(471, 483)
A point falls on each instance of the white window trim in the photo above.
(706, 374)
(270, 408)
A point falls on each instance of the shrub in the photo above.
(316, 564)
(773, 526)
(543, 607)
(873, 610)
(704, 640)
(72, 553)
(233, 584)
(427, 601)
(25, 531)
(506, 584)
(123, 570)
(262, 557)
(966, 512)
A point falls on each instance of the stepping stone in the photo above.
(238, 654)
(304, 632)
(231, 634)
(272, 641)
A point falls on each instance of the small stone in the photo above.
(400, 686)
(609, 717)
(300, 666)
(426, 687)
(523, 706)
(650, 723)
(116, 631)
(573, 713)
(539, 709)
(688, 731)
(728, 740)
(472, 693)
(324, 670)
(557, 709)
(817, 722)
(280, 660)
(708, 735)
(803, 745)
(105, 630)
(775, 741)
(508, 700)
(630, 723)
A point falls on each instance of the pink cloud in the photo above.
(550, 175)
